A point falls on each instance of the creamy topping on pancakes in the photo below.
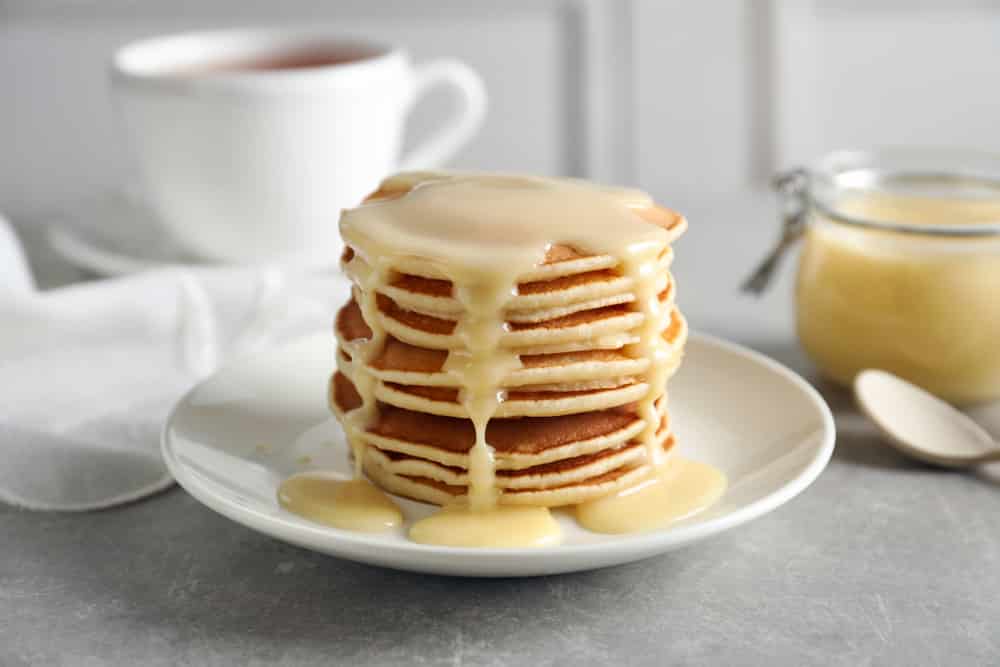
(483, 233)
(508, 343)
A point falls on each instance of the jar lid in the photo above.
(925, 191)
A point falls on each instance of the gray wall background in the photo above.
(696, 102)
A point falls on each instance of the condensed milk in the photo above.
(900, 266)
(923, 307)
(484, 233)
(676, 490)
(502, 526)
(354, 504)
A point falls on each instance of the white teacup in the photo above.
(252, 141)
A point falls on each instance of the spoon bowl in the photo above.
(920, 424)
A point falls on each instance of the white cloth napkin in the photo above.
(89, 372)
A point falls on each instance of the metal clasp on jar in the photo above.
(793, 192)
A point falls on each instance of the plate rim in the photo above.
(650, 543)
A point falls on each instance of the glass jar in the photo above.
(900, 267)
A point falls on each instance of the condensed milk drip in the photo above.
(370, 276)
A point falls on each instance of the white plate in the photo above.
(233, 438)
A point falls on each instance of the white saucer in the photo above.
(235, 437)
(116, 234)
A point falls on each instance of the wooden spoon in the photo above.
(922, 425)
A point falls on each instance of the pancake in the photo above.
(535, 300)
(402, 363)
(440, 334)
(518, 443)
(582, 348)
(414, 378)
(558, 494)
(546, 475)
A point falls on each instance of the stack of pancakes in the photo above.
(569, 425)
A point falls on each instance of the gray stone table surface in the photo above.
(881, 561)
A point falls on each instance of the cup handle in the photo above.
(460, 125)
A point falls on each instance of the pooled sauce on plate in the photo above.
(354, 504)
(676, 490)
(503, 526)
